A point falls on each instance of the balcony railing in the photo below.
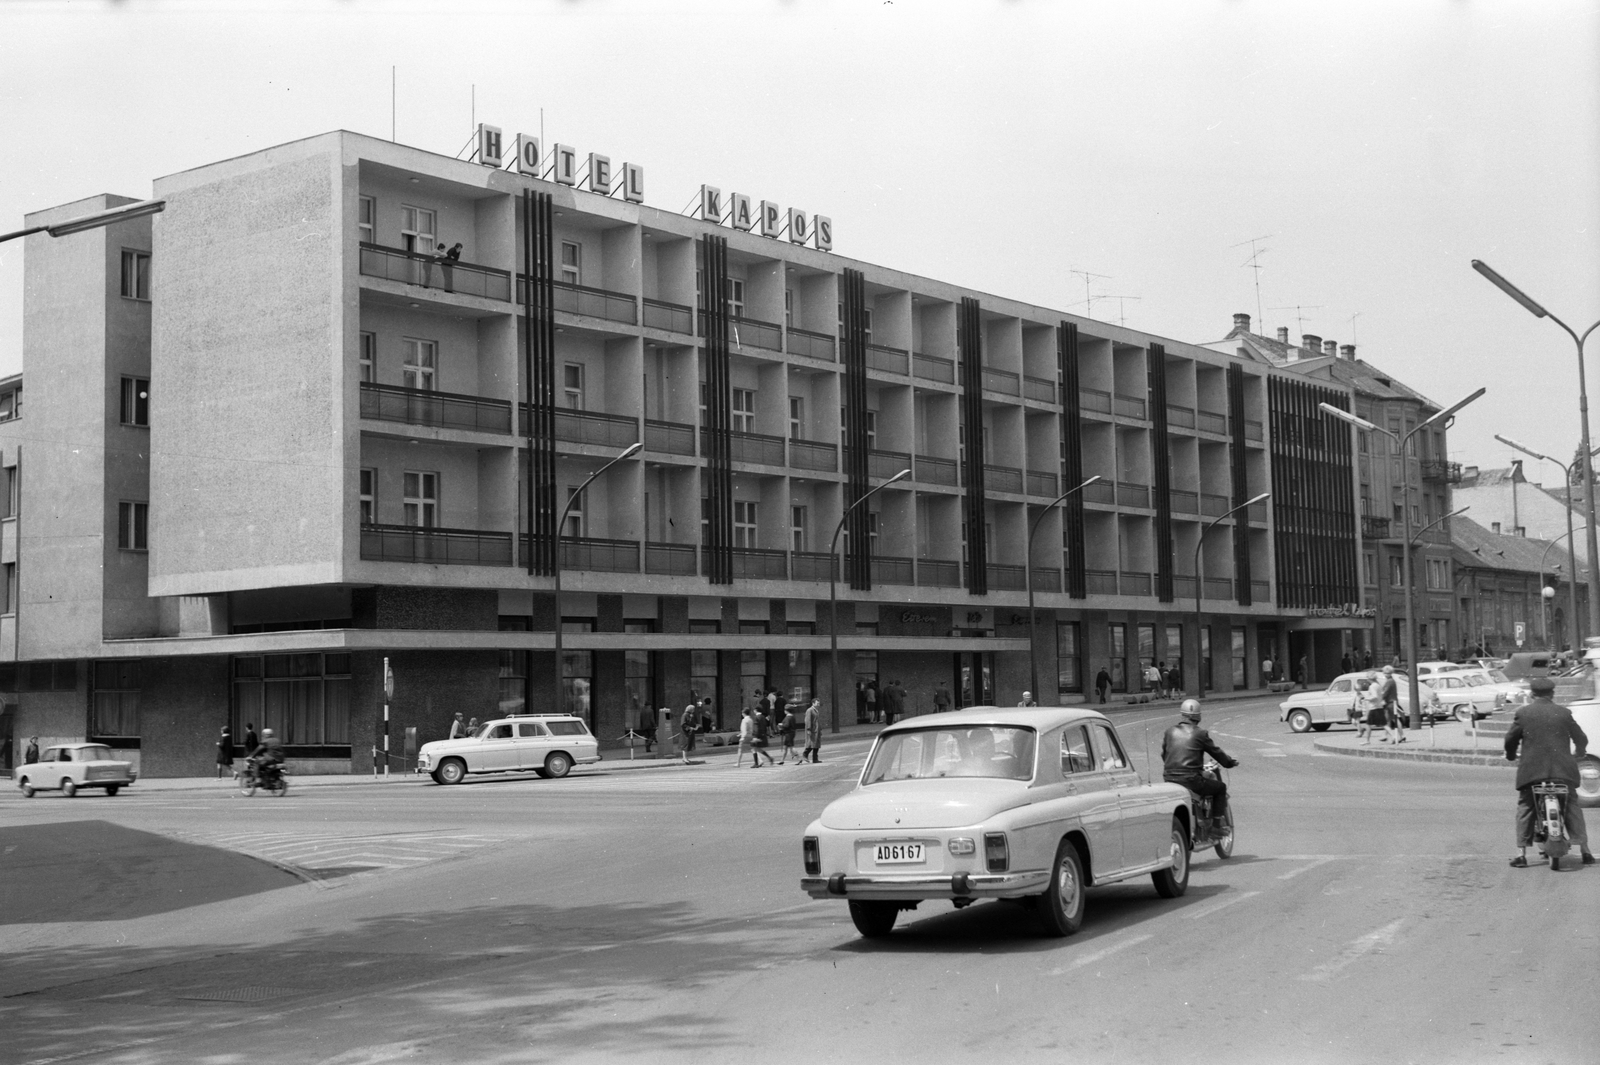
(1260, 591)
(891, 569)
(760, 563)
(933, 368)
(752, 447)
(450, 547)
(750, 333)
(673, 560)
(1253, 430)
(1374, 528)
(1257, 513)
(674, 438)
(592, 553)
(1131, 494)
(1185, 502)
(587, 426)
(1129, 406)
(888, 360)
(587, 301)
(814, 455)
(811, 345)
(935, 471)
(1439, 471)
(938, 573)
(672, 317)
(1005, 577)
(812, 566)
(1180, 417)
(1003, 381)
(1046, 579)
(1043, 484)
(1042, 389)
(430, 271)
(884, 464)
(445, 410)
(1183, 586)
(1100, 581)
(1210, 421)
(1103, 491)
(1134, 583)
(1094, 399)
(1002, 478)
(1219, 587)
(1213, 505)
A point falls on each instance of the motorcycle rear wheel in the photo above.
(1224, 839)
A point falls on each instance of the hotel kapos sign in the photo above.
(560, 164)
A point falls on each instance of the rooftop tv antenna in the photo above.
(1353, 318)
(1122, 316)
(1300, 318)
(1254, 263)
(1088, 297)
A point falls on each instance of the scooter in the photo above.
(1211, 831)
(275, 781)
(1549, 830)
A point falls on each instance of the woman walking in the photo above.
(786, 729)
(747, 736)
(225, 752)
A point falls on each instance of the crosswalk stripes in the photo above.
(381, 851)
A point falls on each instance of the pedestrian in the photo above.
(706, 718)
(1390, 694)
(225, 752)
(893, 702)
(747, 737)
(457, 727)
(813, 731)
(1369, 712)
(1152, 679)
(30, 753)
(872, 701)
(786, 729)
(774, 697)
(472, 727)
(1305, 674)
(1175, 678)
(1266, 669)
(763, 732)
(1102, 683)
(447, 264)
(250, 740)
(1344, 663)
(690, 724)
(1366, 659)
(647, 729)
(1028, 700)
(941, 698)
(861, 703)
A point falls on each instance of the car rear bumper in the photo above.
(926, 886)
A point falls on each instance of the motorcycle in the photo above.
(1216, 832)
(1549, 829)
(274, 779)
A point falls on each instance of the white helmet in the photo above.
(1190, 710)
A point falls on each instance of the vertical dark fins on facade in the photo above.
(853, 349)
(539, 353)
(969, 351)
(1072, 460)
(1314, 508)
(1241, 484)
(718, 545)
(1156, 365)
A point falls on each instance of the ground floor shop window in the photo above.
(1146, 635)
(704, 673)
(1119, 656)
(1206, 675)
(513, 670)
(1174, 651)
(802, 671)
(114, 702)
(639, 674)
(577, 673)
(303, 698)
(866, 681)
(1237, 654)
(753, 680)
(1069, 677)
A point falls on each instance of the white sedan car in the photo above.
(71, 766)
(1467, 693)
(546, 744)
(1030, 804)
(1338, 703)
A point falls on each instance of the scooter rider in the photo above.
(269, 755)
(1183, 751)
(1547, 735)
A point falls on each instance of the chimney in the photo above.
(1330, 347)
(1311, 342)
(1347, 351)
(1283, 334)
(1241, 323)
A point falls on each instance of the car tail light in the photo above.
(961, 847)
(813, 854)
(996, 856)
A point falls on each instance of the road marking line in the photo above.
(1224, 904)
(1271, 752)
(1357, 949)
(1090, 959)
(1307, 868)
(1252, 739)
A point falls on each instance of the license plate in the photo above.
(897, 854)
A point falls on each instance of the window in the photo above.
(1369, 568)
(1075, 756)
(639, 674)
(513, 669)
(1174, 648)
(1397, 573)
(304, 698)
(797, 418)
(797, 527)
(8, 588)
(572, 385)
(114, 700)
(744, 523)
(577, 681)
(136, 275)
(369, 358)
(1236, 651)
(1119, 656)
(421, 363)
(802, 673)
(135, 401)
(788, 308)
(368, 213)
(11, 493)
(1107, 748)
(421, 499)
(1146, 652)
(10, 403)
(866, 321)
(1439, 574)
(735, 290)
(369, 495)
(417, 230)
(744, 410)
(872, 430)
(133, 520)
(573, 529)
(1205, 655)
(1069, 675)
(571, 263)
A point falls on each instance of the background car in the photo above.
(1587, 715)
(1429, 669)
(70, 766)
(1334, 704)
(546, 744)
(1467, 694)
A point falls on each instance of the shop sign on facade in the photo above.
(1343, 610)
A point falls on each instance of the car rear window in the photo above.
(567, 728)
(994, 751)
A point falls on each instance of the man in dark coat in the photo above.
(1548, 737)
(1183, 755)
(893, 702)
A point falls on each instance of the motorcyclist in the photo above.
(1547, 735)
(268, 755)
(1183, 752)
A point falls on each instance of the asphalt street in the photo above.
(1368, 915)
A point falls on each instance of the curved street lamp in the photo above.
(1033, 628)
(1547, 592)
(833, 590)
(1200, 589)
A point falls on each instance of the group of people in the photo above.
(755, 733)
(1378, 707)
(876, 706)
(266, 750)
(1159, 679)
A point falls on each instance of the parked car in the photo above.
(1514, 692)
(1337, 703)
(1587, 715)
(1525, 664)
(546, 744)
(71, 766)
(1030, 804)
(1429, 669)
(1467, 694)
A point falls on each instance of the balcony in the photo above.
(1374, 528)
(444, 410)
(1002, 381)
(1185, 502)
(935, 471)
(592, 553)
(1253, 431)
(1439, 471)
(430, 271)
(1180, 417)
(750, 333)
(890, 569)
(1005, 577)
(1134, 583)
(813, 455)
(672, 560)
(882, 465)
(1101, 581)
(1213, 505)
(760, 563)
(1260, 591)
(933, 368)
(1257, 513)
(1094, 399)
(587, 301)
(587, 427)
(1043, 484)
(811, 345)
(672, 438)
(758, 448)
(1131, 494)
(1042, 389)
(1002, 479)
(938, 573)
(449, 547)
(1183, 586)
(1219, 587)
(1128, 407)
(888, 360)
(1211, 422)
(812, 566)
(1046, 579)
(671, 317)
(1102, 491)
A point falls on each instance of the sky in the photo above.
(1375, 148)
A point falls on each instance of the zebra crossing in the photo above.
(323, 855)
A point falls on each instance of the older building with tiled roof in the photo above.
(1499, 577)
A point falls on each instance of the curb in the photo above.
(1447, 755)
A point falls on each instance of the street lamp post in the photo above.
(577, 494)
(1566, 469)
(1400, 443)
(1550, 593)
(124, 213)
(1200, 591)
(833, 590)
(1538, 311)
(1033, 652)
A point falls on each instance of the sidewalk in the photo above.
(1448, 741)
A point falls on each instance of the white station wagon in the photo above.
(546, 744)
(71, 766)
(1029, 804)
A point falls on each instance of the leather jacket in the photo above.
(1183, 751)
